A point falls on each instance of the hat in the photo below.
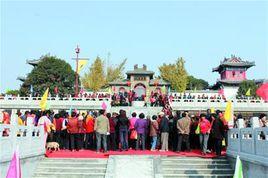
(161, 113)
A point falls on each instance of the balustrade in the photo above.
(29, 139)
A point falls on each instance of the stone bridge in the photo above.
(55, 103)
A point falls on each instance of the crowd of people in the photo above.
(124, 98)
(98, 130)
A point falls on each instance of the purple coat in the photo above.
(141, 125)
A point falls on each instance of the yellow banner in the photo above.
(81, 64)
(43, 102)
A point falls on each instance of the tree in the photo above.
(13, 92)
(245, 86)
(50, 72)
(115, 73)
(95, 78)
(195, 83)
(176, 74)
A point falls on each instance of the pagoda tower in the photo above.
(232, 72)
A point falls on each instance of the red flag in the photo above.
(104, 106)
(14, 170)
(56, 90)
(221, 92)
(262, 91)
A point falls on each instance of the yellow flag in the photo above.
(228, 111)
(43, 102)
(109, 90)
(163, 89)
(81, 64)
(248, 92)
(212, 110)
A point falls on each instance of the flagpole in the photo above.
(77, 51)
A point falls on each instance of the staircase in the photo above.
(71, 168)
(192, 167)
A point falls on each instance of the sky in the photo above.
(151, 33)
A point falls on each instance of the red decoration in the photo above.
(263, 91)
(128, 83)
(56, 90)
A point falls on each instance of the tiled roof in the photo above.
(234, 62)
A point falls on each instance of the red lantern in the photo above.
(56, 90)
(128, 83)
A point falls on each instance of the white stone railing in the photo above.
(203, 104)
(250, 144)
(29, 140)
(196, 104)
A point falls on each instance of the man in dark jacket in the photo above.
(217, 133)
(164, 129)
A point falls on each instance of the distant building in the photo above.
(232, 72)
(141, 81)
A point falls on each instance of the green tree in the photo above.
(176, 74)
(95, 78)
(195, 83)
(50, 72)
(115, 72)
(245, 86)
(12, 92)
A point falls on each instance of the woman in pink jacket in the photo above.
(205, 128)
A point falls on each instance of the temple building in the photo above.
(141, 81)
(232, 72)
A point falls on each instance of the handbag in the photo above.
(133, 135)
(197, 130)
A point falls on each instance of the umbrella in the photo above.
(262, 91)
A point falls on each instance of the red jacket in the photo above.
(89, 124)
(72, 125)
(205, 126)
(112, 125)
(58, 123)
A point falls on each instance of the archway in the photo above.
(140, 90)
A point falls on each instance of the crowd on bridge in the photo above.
(87, 130)
(155, 98)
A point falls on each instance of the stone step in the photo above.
(72, 164)
(68, 175)
(72, 160)
(186, 166)
(71, 170)
(196, 171)
(198, 176)
(178, 161)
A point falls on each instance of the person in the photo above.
(65, 137)
(175, 130)
(164, 130)
(205, 127)
(123, 125)
(263, 120)
(102, 128)
(45, 122)
(57, 121)
(132, 130)
(89, 129)
(81, 132)
(217, 132)
(183, 126)
(141, 126)
(153, 132)
(111, 138)
(72, 128)
(193, 137)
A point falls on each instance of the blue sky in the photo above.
(150, 33)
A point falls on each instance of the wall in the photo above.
(251, 145)
(30, 142)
